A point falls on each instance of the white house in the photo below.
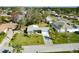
(49, 19)
(36, 29)
(63, 27)
(69, 30)
(31, 29)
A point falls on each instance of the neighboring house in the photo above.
(4, 27)
(55, 26)
(49, 19)
(63, 27)
(53, 12)
(5, 15)
(36, 29)
(77, 18)
(69, 28)
(72, 17)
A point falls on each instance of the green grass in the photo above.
(4, 19)
(23, 40)
(61, 38)
(54, 18)
(42, 24)
(75, 21)
(2, 36)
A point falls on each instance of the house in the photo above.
(69, 28)
(31, 29)
(36, 29)
(64, 27)
(53, 12)
(49, 19)
(77, 18)
(4, 27)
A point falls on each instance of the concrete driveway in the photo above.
(46, 38)
(6, 40)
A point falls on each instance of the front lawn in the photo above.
(2, 36)
(61, 38)
(23, 40)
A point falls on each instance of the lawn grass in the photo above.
(54, 18)
(75, 21)
(61, 38)
(43, 24)
(2, 36)
(23, 40)
(4, 19)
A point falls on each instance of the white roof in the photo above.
(49, 18)
(35, 27)
(32, 27)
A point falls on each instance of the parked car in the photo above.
(6, 51)
(48, 38)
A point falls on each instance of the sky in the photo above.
(39, 3)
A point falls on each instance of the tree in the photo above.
(17, 48)
(21, 23)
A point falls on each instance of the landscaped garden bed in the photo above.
(2, 36)
(24, 39)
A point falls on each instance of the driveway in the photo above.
(6, 40)
(46, 38)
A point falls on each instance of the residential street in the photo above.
(51, 48)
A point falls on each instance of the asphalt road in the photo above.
(51, 48)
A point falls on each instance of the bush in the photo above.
(2, 36)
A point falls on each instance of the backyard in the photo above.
(2, 36)
(43, 24)
(25, 39)
(61, 38)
